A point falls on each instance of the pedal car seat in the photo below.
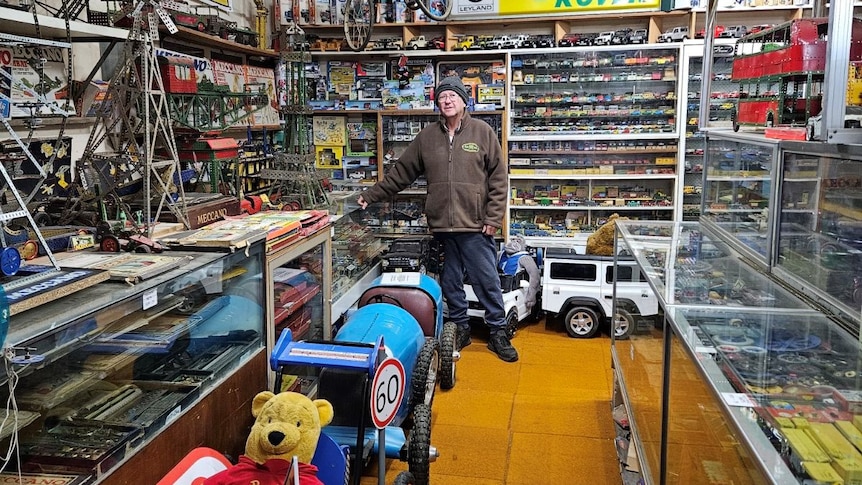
(331, 461)
(415, 300)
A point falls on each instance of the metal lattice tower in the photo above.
(295, 177)
(137, 125)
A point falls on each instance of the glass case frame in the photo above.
(704, 389)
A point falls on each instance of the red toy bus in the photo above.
(780, 72)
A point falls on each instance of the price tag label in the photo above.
(401, 279)
(150, 299)
(386, 392)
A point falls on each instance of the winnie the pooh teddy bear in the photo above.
(601, 242)
(286, 424)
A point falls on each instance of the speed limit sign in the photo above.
(386, 392)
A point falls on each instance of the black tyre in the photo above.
(358, 23)
(770, 120)
(42, 219)
(404, 478)
(423, 382)
(419, 445)
(734, 119)
(447, 356)
(582, 322)
(512, 323)
(623, 324)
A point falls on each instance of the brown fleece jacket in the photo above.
(467, 179)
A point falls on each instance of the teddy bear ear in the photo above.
(324, 409)
(259, 400)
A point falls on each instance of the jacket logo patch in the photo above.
(470, 147)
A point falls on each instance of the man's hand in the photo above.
(487, 229)
(362, 202)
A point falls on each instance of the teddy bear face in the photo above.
(287, 425)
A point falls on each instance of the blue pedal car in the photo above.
(399, 316)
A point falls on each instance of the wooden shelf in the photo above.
(20, 22)
(216, 43)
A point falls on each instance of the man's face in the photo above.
(450, 104)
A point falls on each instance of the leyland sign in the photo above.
(492, 8)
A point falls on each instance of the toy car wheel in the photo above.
(447, 356)
(424, 379)
(624, 324)
(419, 444)
(404, 478)
(42, 219)
(10, 261)
(30, 250)
(143, 249)
(110, 244)
(511, 323)
(582, 322)
(734, 120)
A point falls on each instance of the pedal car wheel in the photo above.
(511, 323)
(624, 324)
(404, 478)
(424, 379)
(110, 244)
(582, 322)
(419, 445)
(447, 356)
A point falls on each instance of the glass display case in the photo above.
(738, 184)
(100, 372)
(819, 238)
(356, 252)
(744, 382)
(722, 100)
(299, 288)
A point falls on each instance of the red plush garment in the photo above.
(272, 472)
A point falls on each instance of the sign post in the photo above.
(387, 390)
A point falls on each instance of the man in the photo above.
(467, 176)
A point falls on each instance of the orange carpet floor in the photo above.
(544, 419)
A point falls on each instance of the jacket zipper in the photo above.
(451, 194)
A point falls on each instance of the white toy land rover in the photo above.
(580, 288)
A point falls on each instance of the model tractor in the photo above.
(399, 316)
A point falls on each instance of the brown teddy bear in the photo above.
(286, 425)
(601, 242)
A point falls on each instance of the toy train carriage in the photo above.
(178, 75)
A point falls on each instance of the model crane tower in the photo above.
(137, 125)
(296, 180)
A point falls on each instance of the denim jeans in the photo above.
(475, 254)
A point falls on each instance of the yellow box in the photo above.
(559, 171)
(521, 171)
(784, 422)
(606, 169)
(823, 473)
(800, 423)
(850, 471)
(804, 447)
(328, 156)
(833, 442)
(850, 432)
(665, 160)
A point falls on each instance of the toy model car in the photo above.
(604, 38)
(676, 34)
(717, 31)
(411, 254)
(569, 40)
(734, 31)
(639, 36)
(581, 288)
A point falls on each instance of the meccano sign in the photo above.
(494, 8)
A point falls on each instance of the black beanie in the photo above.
(453, 83)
